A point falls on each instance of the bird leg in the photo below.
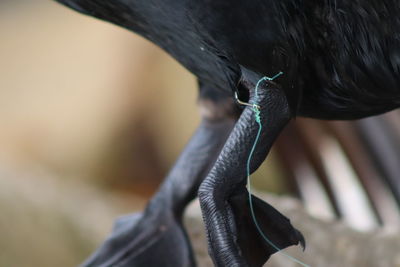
(233, 239)
(156, 237)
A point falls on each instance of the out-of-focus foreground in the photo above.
(92, 116)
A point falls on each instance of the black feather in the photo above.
(341, 59)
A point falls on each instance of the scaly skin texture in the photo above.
(228, 177)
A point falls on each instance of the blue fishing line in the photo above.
(256, 111)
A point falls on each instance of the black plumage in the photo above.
(340, 59)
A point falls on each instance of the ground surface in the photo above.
(329, 244)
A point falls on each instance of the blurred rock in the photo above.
(48, 222)
(329, 244)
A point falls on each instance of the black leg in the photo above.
(156, 237)
(232, 237)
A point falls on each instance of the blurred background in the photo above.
(93, 116)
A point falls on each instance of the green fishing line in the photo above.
(256, 111)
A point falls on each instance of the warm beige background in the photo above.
(69, 84)
(82, 102)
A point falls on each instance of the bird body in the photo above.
(352, 66)
(340, 59)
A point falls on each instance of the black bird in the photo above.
(340, 59)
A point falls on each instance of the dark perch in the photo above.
(341, 60)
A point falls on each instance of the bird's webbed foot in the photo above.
(274, 225)
(144, 240)
(233, 238)
(157, 237)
